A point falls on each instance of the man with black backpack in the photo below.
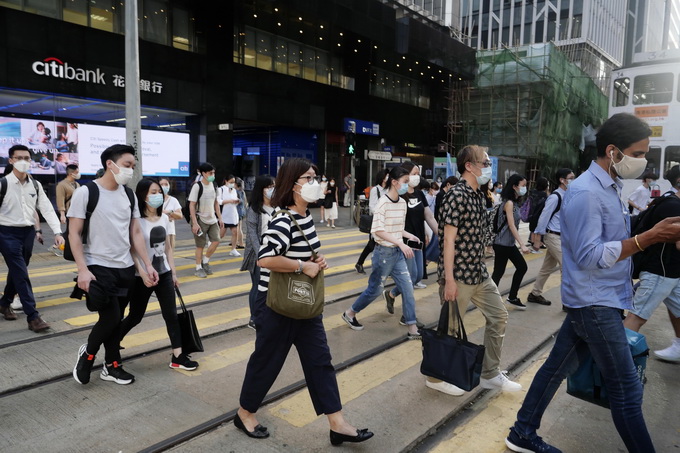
(20, 196)
(548, 228)
(658, 268)
(102, 236)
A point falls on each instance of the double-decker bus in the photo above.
(650, 89)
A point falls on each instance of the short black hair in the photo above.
(114, 152)
(673, 175)
(562, 173)
(71, 168)
(508, 192)
(542, 184)
(621, 130)
(451, 180)
(205, 167)
(649, 175)
(380, 177)
(18, 148)
(396, 173)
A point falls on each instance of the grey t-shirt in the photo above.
(108, 239)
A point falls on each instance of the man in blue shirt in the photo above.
(548, 228)
(596, 287)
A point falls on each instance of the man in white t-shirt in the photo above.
(105, 267)
(204, 215)
(640, 198)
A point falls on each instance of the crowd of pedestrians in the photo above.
(122, 243)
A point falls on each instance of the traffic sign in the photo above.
(379, 155)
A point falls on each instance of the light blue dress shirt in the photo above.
(548, 221)
(594, 221)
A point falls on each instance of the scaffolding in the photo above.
(526, 102)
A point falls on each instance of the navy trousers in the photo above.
(275, 336)
(16, 246)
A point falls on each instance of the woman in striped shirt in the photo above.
(285, 249)
(390, 255)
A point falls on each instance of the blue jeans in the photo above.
(16, 247)
(389, 261)
(600, 330)
(415, 269)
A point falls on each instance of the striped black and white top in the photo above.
(283, 238)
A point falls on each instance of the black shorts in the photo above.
(230, 225)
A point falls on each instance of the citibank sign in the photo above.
(54, 67)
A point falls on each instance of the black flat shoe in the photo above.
(362, 435)
(359, 268)
(260, 432)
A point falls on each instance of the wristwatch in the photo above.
(299, 269)
(38, 231)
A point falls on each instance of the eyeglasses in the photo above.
(26, 158)
(310, 179)
(486, 163)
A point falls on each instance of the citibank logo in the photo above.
(54, 67)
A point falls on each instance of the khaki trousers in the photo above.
(486, 297)
(552, 261)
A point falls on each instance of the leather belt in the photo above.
(552, 232)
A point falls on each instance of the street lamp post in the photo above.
(133, 122)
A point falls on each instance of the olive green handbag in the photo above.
(296, 296)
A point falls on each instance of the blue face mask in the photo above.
(155, 200)
(403, 189)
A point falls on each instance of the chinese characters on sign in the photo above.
(144, 85)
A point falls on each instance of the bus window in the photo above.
(653, 89)
(672, 157)
(621, 92)
(653, 159)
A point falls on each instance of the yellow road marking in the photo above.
(487, 430)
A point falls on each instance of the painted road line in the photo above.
(487, 430)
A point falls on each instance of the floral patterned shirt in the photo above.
(465, 208)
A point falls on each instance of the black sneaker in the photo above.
(389, 301)
(83, 368)
(359, 268)
(537, 299)
(352, 323)
(251, 325)
(419, 324)
(183, 362)
(116, 373)
(536, 445)
(517, 303)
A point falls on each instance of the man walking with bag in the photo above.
(463, 277)
(596, 287)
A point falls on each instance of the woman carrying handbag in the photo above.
(287, 248)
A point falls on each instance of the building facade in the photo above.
(251, 83)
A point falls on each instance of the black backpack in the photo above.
(92, 200)
(536, 215)
(185, 208)
(643, 222)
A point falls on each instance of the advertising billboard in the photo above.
(56, 144)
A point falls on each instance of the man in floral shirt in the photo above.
(464, 229)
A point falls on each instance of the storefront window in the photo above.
(249, 47)
(264, 51)
(155, 21)
(102, 15)
(396, 87)
(281, 52)
(182, 29)
(49, 8)
(75, 11)
(14, 4)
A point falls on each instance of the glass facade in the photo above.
(395, 87)
(270, 52)
(159, 20)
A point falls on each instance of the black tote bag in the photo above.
(451, 358)
(191, 340)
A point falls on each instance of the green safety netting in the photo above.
(530, 102)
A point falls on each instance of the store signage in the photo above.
(54, 67)
(362, 127)
(379, 155)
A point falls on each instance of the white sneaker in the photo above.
(16, 303)
(670, 354)
(500, 382)
(444, 387)
(420, 285)
(234, 253)
(321, 221)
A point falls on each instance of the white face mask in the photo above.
(269, 193)
(22, 166)
(310, 192)
(123, 176)
(522, 191)
(629, 167)
(230, 185)
(76, 175)
(323, 179)
(485, 177)
(413, 180)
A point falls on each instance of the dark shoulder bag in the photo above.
(451, 358)
(296, 296)
(366, 220)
